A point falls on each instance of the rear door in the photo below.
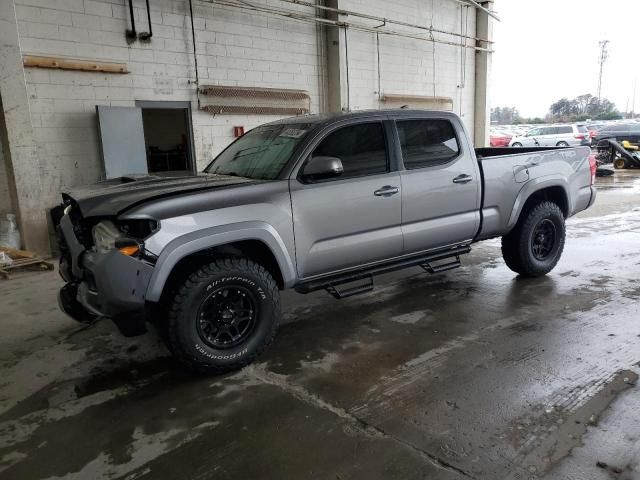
(353, 219)
(440, 184)
(565, 134)
(548, 137)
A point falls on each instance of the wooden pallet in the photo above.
(23, 259)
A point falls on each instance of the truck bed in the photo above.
(510, 175)
(499, 151)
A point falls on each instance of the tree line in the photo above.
(578, 109)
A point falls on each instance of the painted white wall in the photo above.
(234, 48)
(407, 65)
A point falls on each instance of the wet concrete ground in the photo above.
(474, 373)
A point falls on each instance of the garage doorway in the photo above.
(168, 137)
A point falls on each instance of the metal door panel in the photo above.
(341, 224)
(122, 138)
(437, 212)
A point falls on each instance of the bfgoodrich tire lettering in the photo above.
(240, 280)
(527, 249)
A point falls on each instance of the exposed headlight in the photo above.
(105, 234)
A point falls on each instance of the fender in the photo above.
(200, 240)
(532, 187)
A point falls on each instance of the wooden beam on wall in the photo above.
(73, 64)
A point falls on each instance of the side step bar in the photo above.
(333, 283)
(443, 267)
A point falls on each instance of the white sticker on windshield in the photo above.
(292, 133)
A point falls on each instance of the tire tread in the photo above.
(515, 250)
(201, 277)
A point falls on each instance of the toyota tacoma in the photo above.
(312, 202)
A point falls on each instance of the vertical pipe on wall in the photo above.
(146, 36)
(195, 55)
(131, 34)
(346, 60)
(378, 62)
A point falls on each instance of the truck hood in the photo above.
(113, 197)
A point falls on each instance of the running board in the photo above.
(443, 267)
(333, 283)
(339, 293)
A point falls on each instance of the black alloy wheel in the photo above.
(227, 317)
(543, 239)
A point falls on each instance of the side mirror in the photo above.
(320, 168)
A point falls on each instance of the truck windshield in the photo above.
(260, 153)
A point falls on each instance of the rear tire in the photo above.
(223, 316)
(562, 144)
(619, 163)
(535, 245)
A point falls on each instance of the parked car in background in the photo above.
(499, 138)
(594, 128)
(619, 131)
(553, 136)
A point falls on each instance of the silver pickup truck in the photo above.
(311, 202)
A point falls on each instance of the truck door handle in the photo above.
(464, 178)
(386, 191)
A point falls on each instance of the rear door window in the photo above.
(361, 149)
(426, 143)
(564, 130)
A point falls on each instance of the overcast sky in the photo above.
(548, 49)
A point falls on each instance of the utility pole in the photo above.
(604, 54)
(633, 102)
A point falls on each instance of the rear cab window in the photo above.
(426, 143)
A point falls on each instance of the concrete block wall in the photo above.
(234, 48)
(407, 65)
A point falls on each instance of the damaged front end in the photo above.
(106, 268)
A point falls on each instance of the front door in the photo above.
(352, 219)
(440, 186)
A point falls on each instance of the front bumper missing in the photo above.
(109, 284)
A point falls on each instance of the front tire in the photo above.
(516, 144)
(223, 316)
(535, 245)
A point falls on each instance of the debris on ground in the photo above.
(16, 259)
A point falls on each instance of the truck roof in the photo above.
(319, 118)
